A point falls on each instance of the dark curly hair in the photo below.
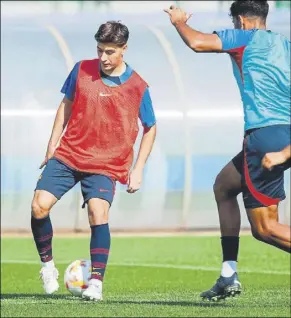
(112, 32)
(250, 8)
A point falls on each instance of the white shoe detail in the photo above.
(94, 291)
(49, 278)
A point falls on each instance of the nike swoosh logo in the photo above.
(104, 94)
(103, 190)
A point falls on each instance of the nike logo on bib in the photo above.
(104, 94)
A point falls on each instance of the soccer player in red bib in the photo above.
(104, 99)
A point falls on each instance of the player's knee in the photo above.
(217, 189)
(262, 233)
(257, 235)
(98, 211)
(220, 190)
(38, 209)
(98, 216)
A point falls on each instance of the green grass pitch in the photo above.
(148, 277)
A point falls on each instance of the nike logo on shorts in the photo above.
(104, 190)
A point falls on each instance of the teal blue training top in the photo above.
(261, 66)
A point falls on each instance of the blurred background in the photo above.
(197, 104)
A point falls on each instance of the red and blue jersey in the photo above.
(261, 66)
(103, 126)
(146, 112)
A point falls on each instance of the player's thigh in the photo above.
(56, 179)
(97, 186)
(264, 188)
(229, 179)
(98, 193)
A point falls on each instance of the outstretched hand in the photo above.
(177, 15)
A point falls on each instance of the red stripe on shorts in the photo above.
(264, 199)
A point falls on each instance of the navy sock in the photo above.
(43, 233)
(99, 250)
(230, 245)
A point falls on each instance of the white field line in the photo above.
(62, 45)
(182, 267)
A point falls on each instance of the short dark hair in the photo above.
(250, 8)
(112, 32)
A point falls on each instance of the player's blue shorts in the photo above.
(58, 178)
(262, 187)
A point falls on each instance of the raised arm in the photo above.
(196, 40)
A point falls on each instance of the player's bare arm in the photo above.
(60, 123)
(276, 158)
(196, 40)
(146, 145)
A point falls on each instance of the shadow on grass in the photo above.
(62, 299)
(171, 303)
(44, 297)
(36, 296)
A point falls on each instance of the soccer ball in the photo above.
(77, 276)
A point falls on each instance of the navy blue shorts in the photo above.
(58, 178)
(262, 187)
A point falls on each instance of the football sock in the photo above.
(230, 245)
(99, 250)
(43, 233)
(228, 268)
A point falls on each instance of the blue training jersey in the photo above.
(146, 112)
(261, 66)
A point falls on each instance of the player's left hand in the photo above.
(134, 180)
(273, 159)
(177, 15)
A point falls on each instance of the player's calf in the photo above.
(99, 246)
(226, 188)
(42, 231)
(99, 251)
